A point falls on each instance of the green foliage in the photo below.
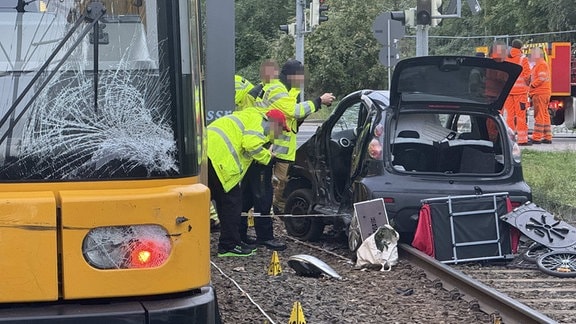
(553, 180)
(341, 55)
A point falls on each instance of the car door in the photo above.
(367, 134)
(337, 140)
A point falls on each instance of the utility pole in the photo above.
(422, 40)
(300, 30)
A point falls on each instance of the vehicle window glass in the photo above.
(458, 83)
(349, 119)
(464, 124)
(95, 112)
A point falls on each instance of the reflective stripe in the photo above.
(255, 151)
(256, 133)
(260, 104)
(229, 144)
(302, 110)
(238, 122)
(277, 97)
(280, 149)
(283, 137)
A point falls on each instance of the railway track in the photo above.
(485, 286)
(505, 292)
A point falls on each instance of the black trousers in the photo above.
(229, 208)
(257, 192)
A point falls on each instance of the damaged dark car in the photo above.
(438, 132)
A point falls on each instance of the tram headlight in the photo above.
(127, 247)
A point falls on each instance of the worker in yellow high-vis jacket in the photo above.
(234, 142)
(280, 94)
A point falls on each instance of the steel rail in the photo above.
(502, 307)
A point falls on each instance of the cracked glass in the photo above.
(90, 90)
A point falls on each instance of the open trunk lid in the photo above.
(452, 82)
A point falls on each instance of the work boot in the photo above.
(272, 244)
(237, 251)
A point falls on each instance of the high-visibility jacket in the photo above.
(521, 85)
(540, 83)
(234, 141)
(277, 96)
(242, 97)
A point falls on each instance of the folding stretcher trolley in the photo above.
(465, 228)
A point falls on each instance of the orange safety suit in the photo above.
(540, 92)
(494, 82)
(515, 104)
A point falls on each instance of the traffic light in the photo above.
(436, 11)
(399, 16)
(317, 12)
(289, 29)
(424, 12)
(406, 17)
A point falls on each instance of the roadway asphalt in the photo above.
(564, 140)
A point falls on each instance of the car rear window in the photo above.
(451, 83)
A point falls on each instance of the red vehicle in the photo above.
(562, 60)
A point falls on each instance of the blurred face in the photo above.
(269, 70)
(276, 129)
(535, 54)
(296, 80)
(499, 52)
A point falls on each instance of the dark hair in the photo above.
(291, 67)
(517, 44)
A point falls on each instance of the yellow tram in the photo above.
(103, 217)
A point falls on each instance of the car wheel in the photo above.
(558, 263)
(309, 228)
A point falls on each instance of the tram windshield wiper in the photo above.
(18, 5)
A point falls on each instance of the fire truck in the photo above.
(561, 58)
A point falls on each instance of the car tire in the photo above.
(308, 228)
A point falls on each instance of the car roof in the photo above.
(453, 82)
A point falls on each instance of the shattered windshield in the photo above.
(89, 93)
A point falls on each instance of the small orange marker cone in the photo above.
(274, 268)
(297, 315)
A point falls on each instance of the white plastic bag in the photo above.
(380, 248)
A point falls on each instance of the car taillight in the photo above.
(516, 152)
(388, 200)
(127, 247)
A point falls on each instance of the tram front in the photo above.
(102, 212)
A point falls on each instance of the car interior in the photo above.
(446, 143)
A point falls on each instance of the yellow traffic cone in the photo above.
(251, 218)
(297, 315)
(274, 268)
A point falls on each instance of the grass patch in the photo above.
(552, 176)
